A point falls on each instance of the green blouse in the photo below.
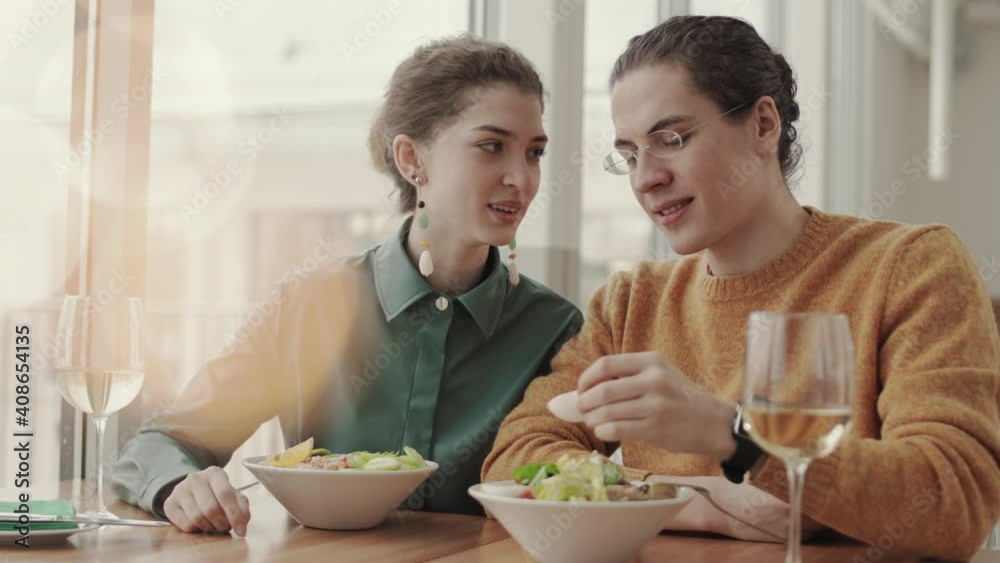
(407, 366)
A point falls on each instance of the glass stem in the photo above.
(796, 478)
(99, 422)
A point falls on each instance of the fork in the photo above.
(245, 487)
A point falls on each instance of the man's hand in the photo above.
(642, 397)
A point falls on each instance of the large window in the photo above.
(36, 57)
(258, 156)
(616, 232)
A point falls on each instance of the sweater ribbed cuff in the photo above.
(771, 476)
(635, 474)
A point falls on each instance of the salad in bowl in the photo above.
(340, 491)
(580, 509)
(578, 479)
(305, 456)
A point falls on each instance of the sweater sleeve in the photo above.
(930, 485)
(272, 361)
(530, 432)
(217, 411)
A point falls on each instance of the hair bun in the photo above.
(784, 68)
(788, 86)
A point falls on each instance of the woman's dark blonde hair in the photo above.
(439, 81)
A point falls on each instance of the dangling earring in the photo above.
(515, 278)
(426, 264)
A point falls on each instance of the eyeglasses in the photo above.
(663, 144)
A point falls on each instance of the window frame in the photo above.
(553, 255)
(106, 209)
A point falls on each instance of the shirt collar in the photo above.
(485, 301)
(399, 284)
(397, 281)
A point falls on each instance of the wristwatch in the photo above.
(747, 451)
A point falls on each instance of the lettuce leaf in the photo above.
(526, 474)
(612, 474)
(411, 459)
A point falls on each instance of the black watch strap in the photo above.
(747, 451)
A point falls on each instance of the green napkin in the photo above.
(58, 507)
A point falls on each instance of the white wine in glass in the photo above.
(99, 393)
(99, 365)
(793, 433)
(798, 393)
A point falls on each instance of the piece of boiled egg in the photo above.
(564, 406)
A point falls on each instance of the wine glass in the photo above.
(99, 364)
(798, 391)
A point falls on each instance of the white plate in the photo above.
(45, 536)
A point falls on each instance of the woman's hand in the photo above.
(206, 501)
(643, 397)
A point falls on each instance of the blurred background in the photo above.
(195, 153)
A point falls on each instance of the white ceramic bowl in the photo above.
(338, 500)
(591, 532)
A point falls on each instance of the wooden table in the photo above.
(273, 537)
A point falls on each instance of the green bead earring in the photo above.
(515, 278)
(426, 263)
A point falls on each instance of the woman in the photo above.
(443, 337)
(658, 364)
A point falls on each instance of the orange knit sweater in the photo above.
(919, 471)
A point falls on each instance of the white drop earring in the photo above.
(426, 263)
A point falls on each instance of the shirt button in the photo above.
(442, 303)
